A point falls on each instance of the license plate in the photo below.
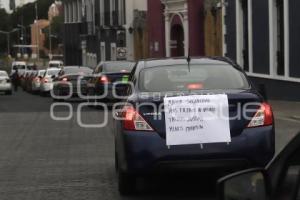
(125, 79)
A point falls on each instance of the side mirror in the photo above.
(246, 185)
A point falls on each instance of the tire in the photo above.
(126, 183)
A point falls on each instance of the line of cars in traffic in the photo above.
(142, 133)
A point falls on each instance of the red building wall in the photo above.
(156, 28)
(196, 27)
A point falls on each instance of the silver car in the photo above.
(5, 83)
(46, 84)
(36, 82)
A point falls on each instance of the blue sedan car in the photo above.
(140, 137)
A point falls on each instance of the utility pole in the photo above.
(37, 30)
(50, 41)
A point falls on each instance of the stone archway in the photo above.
(176, 27)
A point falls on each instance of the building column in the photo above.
(186, 34)
(167, 34)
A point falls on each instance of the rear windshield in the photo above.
(52, 72)
(54, 65)
(19, 67)
(3, 74)
(200, 77)
(77, 70)
(41, 73)
(118, 67)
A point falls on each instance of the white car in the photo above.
(55, 64)
(47, 81)
(20, 66)
(36, 82)
(5, 83)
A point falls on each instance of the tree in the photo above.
(56, 32)
(4, 26)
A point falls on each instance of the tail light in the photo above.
(104, 80)
(263, 117)
(65, 80)
(45, 80)
(134, 121)
(195, 86)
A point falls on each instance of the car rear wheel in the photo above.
(126, 183)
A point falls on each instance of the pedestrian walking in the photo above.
(16, 80)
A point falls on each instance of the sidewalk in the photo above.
(287, 110)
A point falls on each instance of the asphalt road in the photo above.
(43, 159)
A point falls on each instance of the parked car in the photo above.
(55, 64)
(5, 83)
(105, 77)
(28, 80)
(20, 66)
(279, 180)
(65, 85)
(24, 79)
(36, 81)
(140, 138)
(47, 80)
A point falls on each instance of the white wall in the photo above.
(132, 5)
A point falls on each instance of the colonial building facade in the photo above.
(99, 30)
(263, 37)
(176, 27)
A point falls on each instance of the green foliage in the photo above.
(56, 32)
(4, 26)
(22, 15)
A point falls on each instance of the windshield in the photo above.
(77, 70)
(22, 67)
(201, 77)
(118, 67)
(54, 65)
(52, 72)
(41, 72)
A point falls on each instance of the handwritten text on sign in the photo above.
(197, 119)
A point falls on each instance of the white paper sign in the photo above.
(198, 119)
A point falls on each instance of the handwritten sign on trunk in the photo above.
(197, 119)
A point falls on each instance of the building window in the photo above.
(79, 7)
(102, 13)
(70, 13)
(279, 38)
(75, 12)
(243, 34)
(121, 12)
(113, 13)
(66, 13)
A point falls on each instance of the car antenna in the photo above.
(188, 59)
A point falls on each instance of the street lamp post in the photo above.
(7, 33)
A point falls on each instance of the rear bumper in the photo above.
(111, 95)
(147, 152)
(5, 87)
(46, 87)
(36, 86)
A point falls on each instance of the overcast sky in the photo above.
(5, 3)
